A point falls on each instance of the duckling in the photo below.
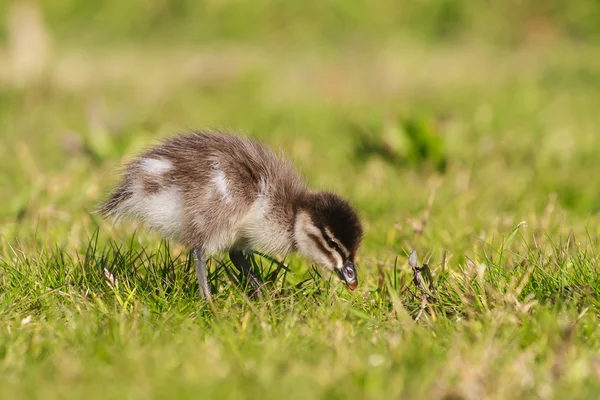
(216, 192)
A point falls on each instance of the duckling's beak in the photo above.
(348, 275)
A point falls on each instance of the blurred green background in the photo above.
(319, 22)
(390, 94)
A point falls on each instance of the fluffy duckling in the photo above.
(216, 192)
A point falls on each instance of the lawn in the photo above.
(467, 133)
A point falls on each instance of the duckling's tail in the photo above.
(114, 206)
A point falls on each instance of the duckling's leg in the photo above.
(200, 261)
(239, 260)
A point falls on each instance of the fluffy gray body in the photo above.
(218, 192)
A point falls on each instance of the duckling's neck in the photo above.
(300, 217)
(269, 225)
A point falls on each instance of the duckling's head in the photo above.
(327, 230)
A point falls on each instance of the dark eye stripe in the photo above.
(335, 245)
(317, 241)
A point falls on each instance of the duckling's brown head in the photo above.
(328, 231)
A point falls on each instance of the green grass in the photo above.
(483, 158)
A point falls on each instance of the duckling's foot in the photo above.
(200, 261)
(239, 260)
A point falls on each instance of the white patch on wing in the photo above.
(221, 185)
(155, 166)
(220, 181)
(262, 187)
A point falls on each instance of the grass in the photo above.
(481, 157)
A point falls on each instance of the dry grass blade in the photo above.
(418, 272)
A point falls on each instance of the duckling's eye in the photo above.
(331, 243)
